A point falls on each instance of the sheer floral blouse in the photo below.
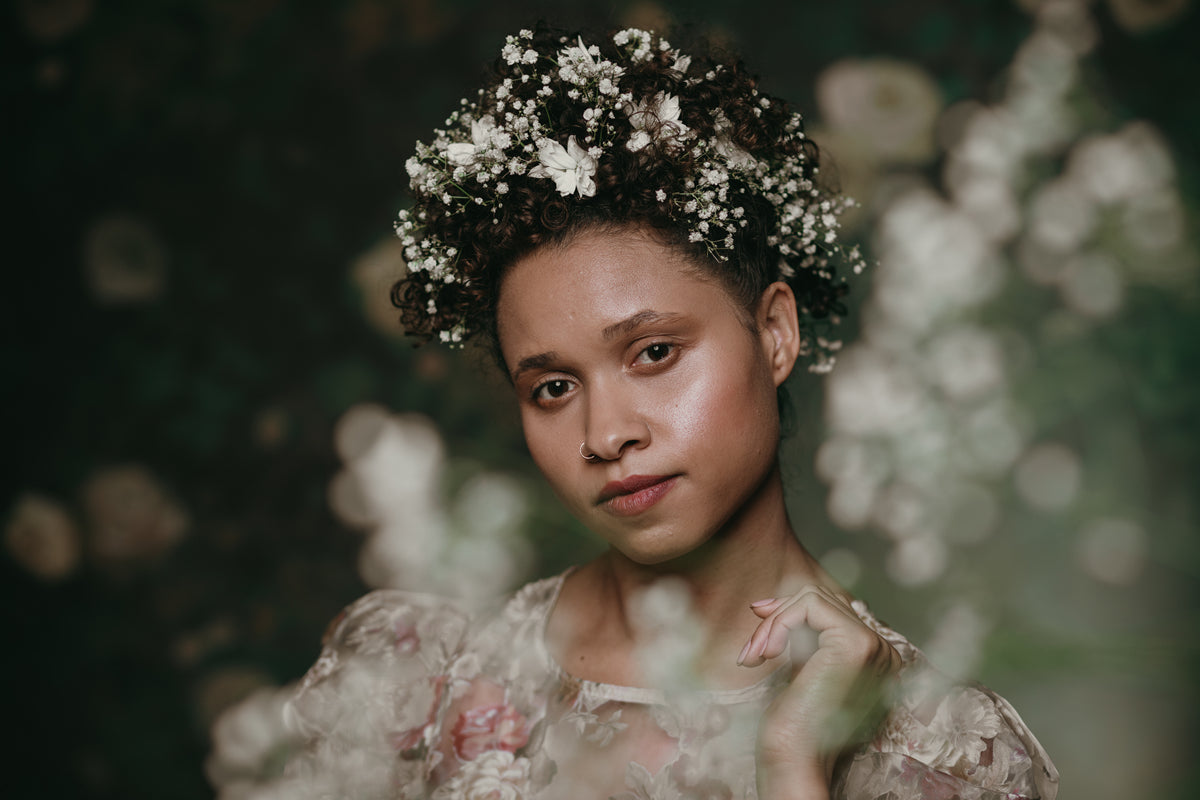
(411, 698)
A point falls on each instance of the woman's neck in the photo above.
(754, 556)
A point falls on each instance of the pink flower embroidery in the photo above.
(491, 727)
(408, 740)
(934, 785)
(406, 639)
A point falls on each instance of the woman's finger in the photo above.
(813, 608)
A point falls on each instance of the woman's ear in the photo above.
(779, 329)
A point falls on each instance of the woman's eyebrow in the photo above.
(533, 362)
(633, 321)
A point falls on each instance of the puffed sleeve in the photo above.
(369, 709)
(943, 740)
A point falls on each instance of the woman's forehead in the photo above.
(605, 277)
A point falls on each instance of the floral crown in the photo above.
(509, 135)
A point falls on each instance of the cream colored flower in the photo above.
(248, 739)
(655, 118)
(956, 735)
(132, 518)
(890, 106)
(571, 168)
(42, 538)
(494, 775)
(466, 153)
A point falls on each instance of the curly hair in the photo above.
(717, 97)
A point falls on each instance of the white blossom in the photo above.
(571, 168)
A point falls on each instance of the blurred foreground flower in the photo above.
(124, 261)
(42, 537)
(393, 485)
(251, 745)
(133, 521)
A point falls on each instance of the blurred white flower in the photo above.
(1137, 16)
(396, 462)
(1071, 22)
(871, 391)
(373, 273)
(669, 634)
(124, 260)
(902, 512)
(890, 106)
(854, 469)
(250, 743)
(957, 642)
(132, 518)
(965, 362)
(1124, 165)
(933, 262)
(489, 504)
(392, 486)
(1112, 550)
(988, 199)
(1062, 215)
(1045, 64)
(992, 142)
(42, 537)
(991, 438)
(918, 560)
(1048, 476)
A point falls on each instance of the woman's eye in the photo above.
(655, 352)
(552, 390)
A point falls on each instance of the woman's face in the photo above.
(616, 342)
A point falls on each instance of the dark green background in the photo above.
(264, 142)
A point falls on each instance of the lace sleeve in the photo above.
(945, 741)
(950, 743)
(368, 708)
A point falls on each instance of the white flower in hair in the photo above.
(658, 118)
(571, 168)
(464, 154)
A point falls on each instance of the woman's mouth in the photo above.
(634, 494)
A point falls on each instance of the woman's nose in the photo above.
(613, 424)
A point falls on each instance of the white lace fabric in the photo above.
(413, 698)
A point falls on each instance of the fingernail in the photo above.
(745, 649)
(759, 603)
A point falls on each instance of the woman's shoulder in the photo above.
(392, 628)
(941, 735)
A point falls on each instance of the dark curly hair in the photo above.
(716, 96)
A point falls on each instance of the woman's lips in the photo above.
(635, 494)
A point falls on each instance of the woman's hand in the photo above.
(834, 698)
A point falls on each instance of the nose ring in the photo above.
(587, 456)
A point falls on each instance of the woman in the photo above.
(639, 235)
